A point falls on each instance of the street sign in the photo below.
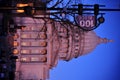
(85, 21)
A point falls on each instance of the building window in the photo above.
(15, 44)
(34, 35)
(39, 43)
(25, 43)
(43, 59)
(43, 44)
(15, 51)
(27, 28)
(39, 27)
(37, 51)
(43, 36)
(25, 35)
(25, 51)
(35, 59)
(39, 35)
(44, 51)
(25, 59)
(35, 28)
(16, 36)
(35, 43)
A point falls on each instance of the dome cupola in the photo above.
(90, 41)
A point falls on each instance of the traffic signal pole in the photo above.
(56, 9)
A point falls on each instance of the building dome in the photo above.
(90, 41)
(77, 42)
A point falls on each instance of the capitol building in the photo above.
(41, 43)
(32, 42)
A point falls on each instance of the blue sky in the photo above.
(104, 62)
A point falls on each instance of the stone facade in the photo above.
(43, 42)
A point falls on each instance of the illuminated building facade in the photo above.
(42, 43)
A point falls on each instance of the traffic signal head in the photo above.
(96, 9)
(80, 9)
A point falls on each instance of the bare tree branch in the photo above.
(58, 2)
(68, 3)
(48, 1)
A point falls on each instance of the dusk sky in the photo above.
(104, 62)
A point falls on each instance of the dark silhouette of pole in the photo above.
(56, 9)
